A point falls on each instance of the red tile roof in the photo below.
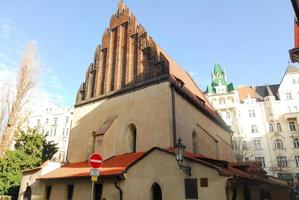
(115, 165)
(245, 91)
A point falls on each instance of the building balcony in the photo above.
(294, 55)
(292, 116)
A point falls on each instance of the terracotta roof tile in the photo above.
(245, 91)
(115, 165)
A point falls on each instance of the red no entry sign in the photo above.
(95, 160)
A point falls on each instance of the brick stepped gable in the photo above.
(129, 58)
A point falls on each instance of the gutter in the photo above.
(173, 115)
(119, 189)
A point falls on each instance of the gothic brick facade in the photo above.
(127, 57)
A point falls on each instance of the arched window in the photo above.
(195, 142)
(271, 129)
(278, 144)
(156, 192)
(131, 138)
(278, 127)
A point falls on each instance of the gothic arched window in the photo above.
(131, 137)
(156, 192)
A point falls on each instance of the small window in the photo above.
(55, 121)
(48, 192)
(204, 182)
(282, 161)
(292, 126)
(278, 144)
(278, 127)
(257, 144)
(297, 161)
(288, 96)
(271, 129)
(253, 128)
(191, 190)
(70, 190)
(251, 113)
(261, 160)
(296, 143)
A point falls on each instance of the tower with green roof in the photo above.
(219, 83)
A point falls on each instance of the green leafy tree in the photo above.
(31, 150)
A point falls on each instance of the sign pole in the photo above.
(92, 187)
(95, 161)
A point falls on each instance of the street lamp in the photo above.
(179, 155)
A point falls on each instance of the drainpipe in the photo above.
(173, 115)
(119, 189)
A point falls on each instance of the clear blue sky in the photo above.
(250, 39)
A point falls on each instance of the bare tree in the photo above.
(15, 98)
(284, 166)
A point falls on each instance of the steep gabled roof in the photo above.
(267, 90)
(109, 76)
(246, 91)
(217, 69)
